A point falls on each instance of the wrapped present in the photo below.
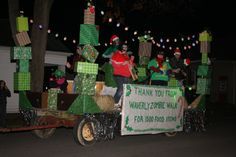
(22, 24)
(89, 17)
(204, 58)
(23, 65)
(21, 52)
(144, 60)
(86, 68)
(89, 53)
(203, 86)
(205, 47)
(142, 72)
(205, 36)
(23, 38)
(85, 84)
(52, 98)
(145, 49)
(204, 70)
(89, 34)
(21, 81)
(173, 83)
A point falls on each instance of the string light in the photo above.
(49, 31)
(102, 12)
(118, 25)
(126, 28)
(135, 32)
(110, 20)
(65, 38)
(56, 35)
(31, 21)
(74, 41)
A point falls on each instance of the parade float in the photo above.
(145, 109)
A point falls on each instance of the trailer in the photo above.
(146, 110)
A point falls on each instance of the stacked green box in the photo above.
(21, 52)
(173, 83)
(22, 24)
(52, 98)
(143, 60)
(21, 81)
(89, 53)
(89, 34)
(204, 58)
(86, 68)
(203, 86)
(142, 75)
(23, 65)
(85, 84)
(204, 71)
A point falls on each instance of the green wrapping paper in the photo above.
(86, 68)
(204, 71)
(22, 24)
(21, 81)
(203, 86)
(204, 58)
(90, 53)
(141, 73)
(89, 34)
(143, 60)
(85, 84)
(23, 65)
(173, 83)
(52, 98)
(205, 36)
(107, 68)
(20, 52)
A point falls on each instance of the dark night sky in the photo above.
(217, 16)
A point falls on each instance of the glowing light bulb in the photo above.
(49, 31)
(102, 12)
(110, 20)
(56, 35)
(118, 25)
(74, 41)
(65, 38)
(135, 32)
(126, 28)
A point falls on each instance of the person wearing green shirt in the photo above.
(159, 70)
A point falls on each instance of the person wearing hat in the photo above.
(159, 70)
(179, 66)
(114, 42)
(121, 64)
(107, 67)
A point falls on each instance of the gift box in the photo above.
(23, 65)
(52, 98)
(204, 58)
(90, 53)
(23, 38)
(86, 68)
(203, 86)
(205, 36)
(205, 47)
(204, 70)
(21, 52)
(21, 81)
(173, 83)
(145, 49)
(89, 34)
(89, 17)
(22, 24)
(85, 84)
(144, 60)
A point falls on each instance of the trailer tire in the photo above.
(84, 131)
(43, 133)
(170, 134)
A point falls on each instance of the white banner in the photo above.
(151, 109)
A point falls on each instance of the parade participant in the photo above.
(178, 67)
(4, 93)
(77, 57)
(58, 80)
(107, 67)
(114, 42)
(159, 70)
(121, 65)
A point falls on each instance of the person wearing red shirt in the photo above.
(121, 64)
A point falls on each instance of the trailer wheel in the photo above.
(170, 134)
(43, 133)
(84, 131)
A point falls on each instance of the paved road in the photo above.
(218, 141)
